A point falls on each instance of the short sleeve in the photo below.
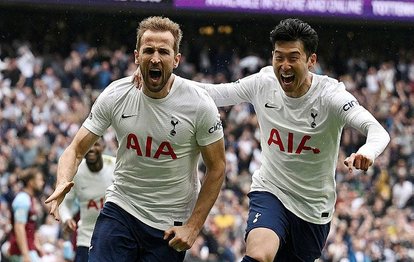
(209, 128)
(21, 207)
(100, 116)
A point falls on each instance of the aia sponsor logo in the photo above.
(149, 149)
(97, 205)
(286, 144)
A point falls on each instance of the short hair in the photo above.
(29, 174)
(293, 29)
(160, 24)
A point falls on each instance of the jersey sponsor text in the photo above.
(217, 126)
(274, 138)
(165, 147)
(349, 105)
(95, 204)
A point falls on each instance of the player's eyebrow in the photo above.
(290, 53)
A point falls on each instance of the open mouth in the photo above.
(155, 74)
(287, 78)
(90, 157)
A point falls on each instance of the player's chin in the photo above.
(155, 82)
(91, 159)
(155, 86)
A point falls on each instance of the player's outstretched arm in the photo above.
(225, 94)
(68, 166)
(377, 140)
(184, 236)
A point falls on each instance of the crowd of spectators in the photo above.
(44, 99)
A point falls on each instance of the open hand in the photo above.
(69, 226)
(57, 197)
(137, 78)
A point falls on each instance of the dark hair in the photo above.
(29, 174)
(293, 29)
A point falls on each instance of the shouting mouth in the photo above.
(287, 79)
(91, 157)
(155, 74)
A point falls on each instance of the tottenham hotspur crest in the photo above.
(256, 217)
(313, 118)
(174, 121)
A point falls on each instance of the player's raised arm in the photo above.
(67, 167)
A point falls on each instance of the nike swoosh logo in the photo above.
(268, 105)
(126, 116)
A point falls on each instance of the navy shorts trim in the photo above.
(300, 240)
(119, 236)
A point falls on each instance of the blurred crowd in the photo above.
(44, 99)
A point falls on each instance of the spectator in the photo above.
(25, 213)
(403, 189)
(394, 107)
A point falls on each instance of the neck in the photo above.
(97, 166)
(29, 191)
(304, 88)
(163, 92)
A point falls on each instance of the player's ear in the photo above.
(177, 60)
(312, 60)
(136, 56)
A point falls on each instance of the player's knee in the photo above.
(262, 244)
(261, 255)
(262, 251)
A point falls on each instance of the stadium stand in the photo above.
(53, 67)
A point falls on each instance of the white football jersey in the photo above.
(159, 146)
(89, 193)
(300, 138)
